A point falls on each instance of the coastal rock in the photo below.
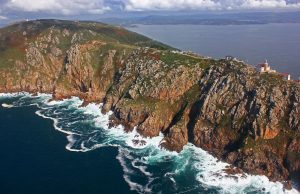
(227, 108)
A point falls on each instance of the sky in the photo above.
(24, 8)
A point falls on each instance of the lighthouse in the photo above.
(265, 68)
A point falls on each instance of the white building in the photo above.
(265, 68)
(286, 76)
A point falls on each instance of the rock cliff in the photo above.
(248, 119)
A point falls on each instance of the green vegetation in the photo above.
(192, 94)
(221, 107)
(276, 142)
(100, 54)
(65, 43)
(141, 102)
(172, 58)
(226, 121)
(13, 37)
(13, 40)
(9, 56)
(273, 79)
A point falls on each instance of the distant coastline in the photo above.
(225, 18)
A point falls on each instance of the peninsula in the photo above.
(226, 107)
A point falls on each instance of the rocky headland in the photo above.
(226, 107)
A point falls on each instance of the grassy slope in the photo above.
(13, 41)
(12, 48)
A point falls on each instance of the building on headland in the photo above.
(265, 68)
(286, 76)
(229, 58)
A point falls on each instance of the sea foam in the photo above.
(142, 158)
(4, 105)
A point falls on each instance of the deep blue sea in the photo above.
(59, 147)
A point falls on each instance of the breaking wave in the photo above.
(147, 168)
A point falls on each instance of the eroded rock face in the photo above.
(242, 118)
(248, 119)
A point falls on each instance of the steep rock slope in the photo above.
(248, 119)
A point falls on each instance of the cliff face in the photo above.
(248, 119)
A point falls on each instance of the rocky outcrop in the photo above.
(248, 119)
(242, 118)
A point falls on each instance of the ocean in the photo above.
(60, 147)
(277, 43)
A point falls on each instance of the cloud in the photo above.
(73, 7)
(140, 5)
(65, 7)
(3, 17)
(268, 4)
(146, 5)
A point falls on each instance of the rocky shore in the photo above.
(226, 107)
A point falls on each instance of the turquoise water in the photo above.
(60, 147)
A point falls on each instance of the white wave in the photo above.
(117, 132)
(101, 121)
(55, 102)
(136, 141)
(71, 141)
(133, 185)
(75, 101)
(4, 105)
(11, 95)
(43, 95)
(121, 157)
(7, 95)
(209, 171)
(55, 124)
(141, 168)
(93, 109)
(124, 153)
(133, 139)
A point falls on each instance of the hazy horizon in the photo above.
(14, 10)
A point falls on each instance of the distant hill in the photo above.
(243, 18)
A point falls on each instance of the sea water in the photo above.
(278, 43)
(61, 147)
